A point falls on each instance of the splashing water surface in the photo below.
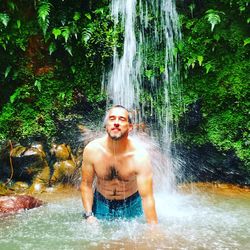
(187, 221)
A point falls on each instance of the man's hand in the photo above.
(92, 219)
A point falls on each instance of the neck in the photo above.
(117, 146)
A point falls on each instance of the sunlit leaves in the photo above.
(213, 17)
(52, 48)
(68, 48)
(192, 7)
(38, 85)
(56, 32)
(7, 71)
(247, 41)
(4, 19)
(76, 16)
(44, 9)
(66, 33)
(200, 59)
(18, 24)
(86, 35)
(12, 6)
(88, 15)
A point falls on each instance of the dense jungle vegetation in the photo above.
(54, 53)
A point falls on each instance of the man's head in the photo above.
(118, 122)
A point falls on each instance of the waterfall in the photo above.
(150, 28)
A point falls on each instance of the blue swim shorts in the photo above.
(128, 208)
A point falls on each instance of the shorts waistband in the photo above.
(127, 200)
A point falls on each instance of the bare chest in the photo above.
(110, 168)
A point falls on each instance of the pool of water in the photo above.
(188, 220)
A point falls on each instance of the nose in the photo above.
(116, 123)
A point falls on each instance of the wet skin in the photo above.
(121, 166)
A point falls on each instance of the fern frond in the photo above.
(213, 17)
(86, 35)
(44, 8)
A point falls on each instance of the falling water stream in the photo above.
(188, 219)
(149, 33)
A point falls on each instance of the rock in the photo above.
(22, 163)
(63, 171)
(206, 164)
(17, 203)
(20, 186)
(41, 181)
(62, 151)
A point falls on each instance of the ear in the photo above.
(130, 127)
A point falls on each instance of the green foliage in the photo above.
(213, 17)
(33, 108)
(49, 52)
(216, 72)
(4, 19)
(44, 8)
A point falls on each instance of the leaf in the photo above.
(68, 49)
(180, 46)
(86, 35)
(162, 69)
(216, 37)
(43, 14)
(38, 85)
(149, 73)
(18, 23)
(62, 96)
(191, 62)
(99, 11)
(7, 71)
(15, 96)
(4, 19)
(73, 69)
(44, 10)
(88, 16)
(246, 41)
(66, 33)
(52, 48)
(208, 66)
(56, 32)
(200, 60)
(11, 5)
(213, 17)
(192, 7)
(77, 16)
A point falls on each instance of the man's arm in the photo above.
(88, 175)
(145, 188)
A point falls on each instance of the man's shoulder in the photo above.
(94, 145)
(138, 146)
(140, 152)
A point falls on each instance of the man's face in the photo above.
(117, 124)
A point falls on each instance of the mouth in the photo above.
(115, 129)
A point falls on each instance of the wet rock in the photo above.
(65, 165)
(20, 186)
(22, 163)
(206, 164)
(63, 171)
(41, 181)
(61, 152)
(17, 203)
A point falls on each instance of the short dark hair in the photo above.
(117, 106)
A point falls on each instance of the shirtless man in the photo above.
(123, 171)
